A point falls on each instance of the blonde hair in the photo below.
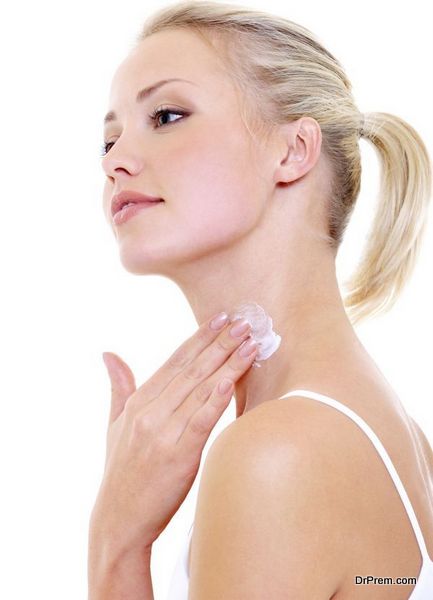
(286, 73)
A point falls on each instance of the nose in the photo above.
(121, 160)
(117, 167)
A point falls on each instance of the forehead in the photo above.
(166, 54)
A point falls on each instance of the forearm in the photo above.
(114, 575)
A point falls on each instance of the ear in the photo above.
(301, 143)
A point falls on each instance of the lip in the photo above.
(125, 214)
(119, 200)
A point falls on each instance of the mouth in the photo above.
(124, 208)
(125, 199)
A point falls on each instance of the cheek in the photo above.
(213, 188)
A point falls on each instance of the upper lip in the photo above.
(126, 196)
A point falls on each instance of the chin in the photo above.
(150, 257)
(141, 264)
(169, 255)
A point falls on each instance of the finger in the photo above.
(211, 359)
(182, 357)
(122, 383)
(232, 369)
(197, 432)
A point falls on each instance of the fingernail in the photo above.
(241, 327)
(248, 347)
(219, 321)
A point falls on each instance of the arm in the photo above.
(115, 574)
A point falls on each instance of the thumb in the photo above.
(122, 383)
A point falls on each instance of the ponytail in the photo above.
(400, 221)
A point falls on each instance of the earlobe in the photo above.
(302, 140)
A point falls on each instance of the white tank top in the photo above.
(423, 590)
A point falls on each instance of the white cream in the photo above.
(261, 329)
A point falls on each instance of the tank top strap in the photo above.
(382, 452)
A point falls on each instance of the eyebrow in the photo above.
(145, 93)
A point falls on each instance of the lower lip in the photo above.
(130, 211)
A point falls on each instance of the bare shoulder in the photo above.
(299, 422)
(322, 447)
(299, 426)
(294, 472)
(278, 429)
(278, 511)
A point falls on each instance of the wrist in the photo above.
(107, 547)
(114, 569)
(114, 533)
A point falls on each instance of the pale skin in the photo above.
(233, 206)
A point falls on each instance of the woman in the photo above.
(249, 160)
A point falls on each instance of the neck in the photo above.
(304, 303)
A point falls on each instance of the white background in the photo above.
(66, 298)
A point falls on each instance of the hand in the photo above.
(156, 433)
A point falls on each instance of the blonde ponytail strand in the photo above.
(397, 231)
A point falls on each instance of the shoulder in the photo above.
(265, 508)
(277, 429)
(274, 443)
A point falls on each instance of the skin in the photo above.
(231, 206)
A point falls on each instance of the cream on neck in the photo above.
(261, 329)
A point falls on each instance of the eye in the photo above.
(154, 117)
(160, 111)
(104, 148)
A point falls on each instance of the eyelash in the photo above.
(153, 117)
